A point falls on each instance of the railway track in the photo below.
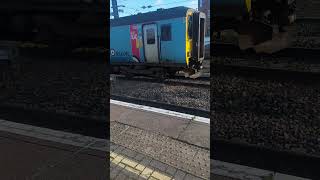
(38, 50)
(308, 8)
(294, 63)
(255, 123)
(58, 84)
(296, 53)
(286, 162)
(278, 74)
(29, 107)
(203, 82)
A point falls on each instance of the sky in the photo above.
(135, 6)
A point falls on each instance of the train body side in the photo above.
(127, 43)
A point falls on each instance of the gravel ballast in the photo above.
(185, 96)
(277, 115)
(62, 85)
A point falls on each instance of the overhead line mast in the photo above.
(115, 9)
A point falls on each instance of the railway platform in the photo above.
(29, 152)
(151, 143)
(151, 148)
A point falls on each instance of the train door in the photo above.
(198, 34)
(150, 43)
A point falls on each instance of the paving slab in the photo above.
(122, 166)
(167, 125)
(25, 157)
(165, 155)
(196, 133)
(187, 130)
(51, 154)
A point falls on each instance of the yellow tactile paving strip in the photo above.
(136, 168)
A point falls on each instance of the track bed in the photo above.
(269, 113)
(58, 84)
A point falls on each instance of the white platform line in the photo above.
(244, 172)
(161, 111)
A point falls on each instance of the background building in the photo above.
(204, 6)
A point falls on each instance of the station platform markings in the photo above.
(219, 168)
(166, 151)
(161, 111)
(137, 168)
(119, 157)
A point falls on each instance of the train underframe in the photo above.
(265, 28)
(154, 70)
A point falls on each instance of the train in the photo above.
(158, 43)
(262, 25)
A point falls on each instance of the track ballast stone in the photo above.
(185, 96)
(277, 115)
(60, 85)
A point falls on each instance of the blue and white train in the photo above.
(158, 43)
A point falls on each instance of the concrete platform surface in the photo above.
(181, 128)
(153, 144)
(169, 145)
(137, 150)
(24, 156)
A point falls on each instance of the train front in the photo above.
(195, 35)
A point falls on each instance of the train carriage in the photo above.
(163, 41)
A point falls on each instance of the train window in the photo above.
(166, 32)
(151, 39)
(190, 27)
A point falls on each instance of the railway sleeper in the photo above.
(158, 72)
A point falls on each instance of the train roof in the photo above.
(150, 16)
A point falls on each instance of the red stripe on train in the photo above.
(134, 39)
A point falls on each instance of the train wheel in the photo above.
(161, 74)
(171, 74)
(128, 75)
